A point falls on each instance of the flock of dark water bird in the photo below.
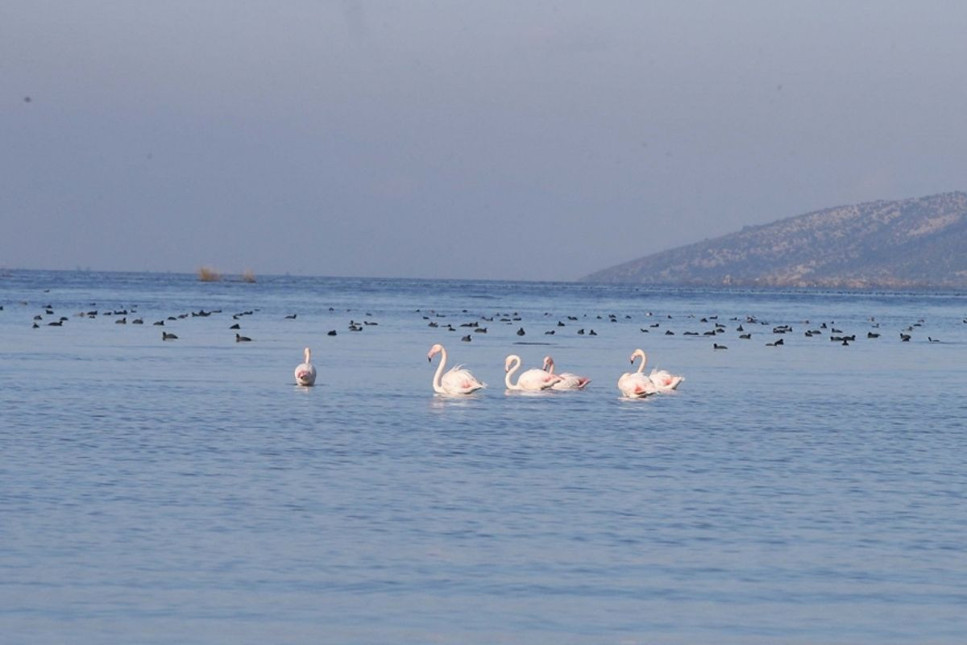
(459, 381)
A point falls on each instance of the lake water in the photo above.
(189, 492)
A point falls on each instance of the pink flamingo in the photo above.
(568, 380)
(305, 372)
(456, 380)
(532, 380)
(635, 385)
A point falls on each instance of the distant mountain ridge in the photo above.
(909, 243)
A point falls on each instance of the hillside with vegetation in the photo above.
(905, 244)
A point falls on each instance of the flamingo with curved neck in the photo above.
(456, 380)
(532, 380)
(568, 380)
(305, 372)
(636, 385)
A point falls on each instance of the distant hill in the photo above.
(911, 243)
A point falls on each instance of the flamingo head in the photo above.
(509, 361)
(436, 349)
(548, 364)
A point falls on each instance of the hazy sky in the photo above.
(457, 139)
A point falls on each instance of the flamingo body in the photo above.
(305, 372)
(455, 381)
(568, 380)
(664, 381)
(636, 386)
(532, 380)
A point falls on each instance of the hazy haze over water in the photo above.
(535, 141)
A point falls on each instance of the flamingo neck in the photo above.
(437, 377)
(644, 359)
(515, 365)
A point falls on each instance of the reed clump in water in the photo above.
(208, 274)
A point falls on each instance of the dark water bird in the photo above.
(776, 343)
(290, 317)
(158, 323)
(466, 338)
(241, 339)
(55, 323)
(904, 337)
(549, 332)
(520, 332)
(331, 332)
(121, 321)
(871, 334)
(137, 321)
(166, 336)
(235, 326)
(745, 336)
(932, 340)
(581, 331)
(592, 333)
(305, 372)
(717, 346)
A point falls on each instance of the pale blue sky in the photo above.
(504, 139)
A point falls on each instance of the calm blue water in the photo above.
(189, 492)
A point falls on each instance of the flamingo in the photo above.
(457, 380)
(305, 372)
(568, 380)
(636, 385)
(532, 380)
(663, 380)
